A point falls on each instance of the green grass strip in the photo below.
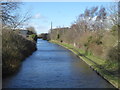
(94, 62)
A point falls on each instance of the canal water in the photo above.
(53, 66)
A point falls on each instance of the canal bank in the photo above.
(15, 48)
(53, 66)
(109, 76)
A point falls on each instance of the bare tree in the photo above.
(6, 11)
(114, 12)
(101, 17)
(20, 20)
(93, 12)
(10, 16)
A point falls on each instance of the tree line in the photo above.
(95, 31)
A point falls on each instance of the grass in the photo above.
(32, 37)
(95, 63)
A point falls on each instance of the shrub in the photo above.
(15, 48)
(34, 37)
(113, 54)
(97, 50)
(58, 36)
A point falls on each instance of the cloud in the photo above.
(39, 28)
(42, 29)
(41, 17)
(37, 16)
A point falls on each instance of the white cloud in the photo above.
(39, 28)
(41, 17)
(37, 16)
(42, 29)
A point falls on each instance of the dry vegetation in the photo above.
(15, 48)
(103, 45)
(95, 37)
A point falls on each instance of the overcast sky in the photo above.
(59, 13)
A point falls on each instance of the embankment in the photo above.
(94, 62)
(15, 49)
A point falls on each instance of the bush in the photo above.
(15, 48)
(113, 54)
(58, 36)
(34, 37)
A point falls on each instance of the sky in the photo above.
(61, 14)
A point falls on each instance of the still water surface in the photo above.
(53, 66)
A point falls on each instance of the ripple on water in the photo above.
(53, 66)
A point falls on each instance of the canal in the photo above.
(53, 66)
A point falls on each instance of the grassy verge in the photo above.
(94, 62)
